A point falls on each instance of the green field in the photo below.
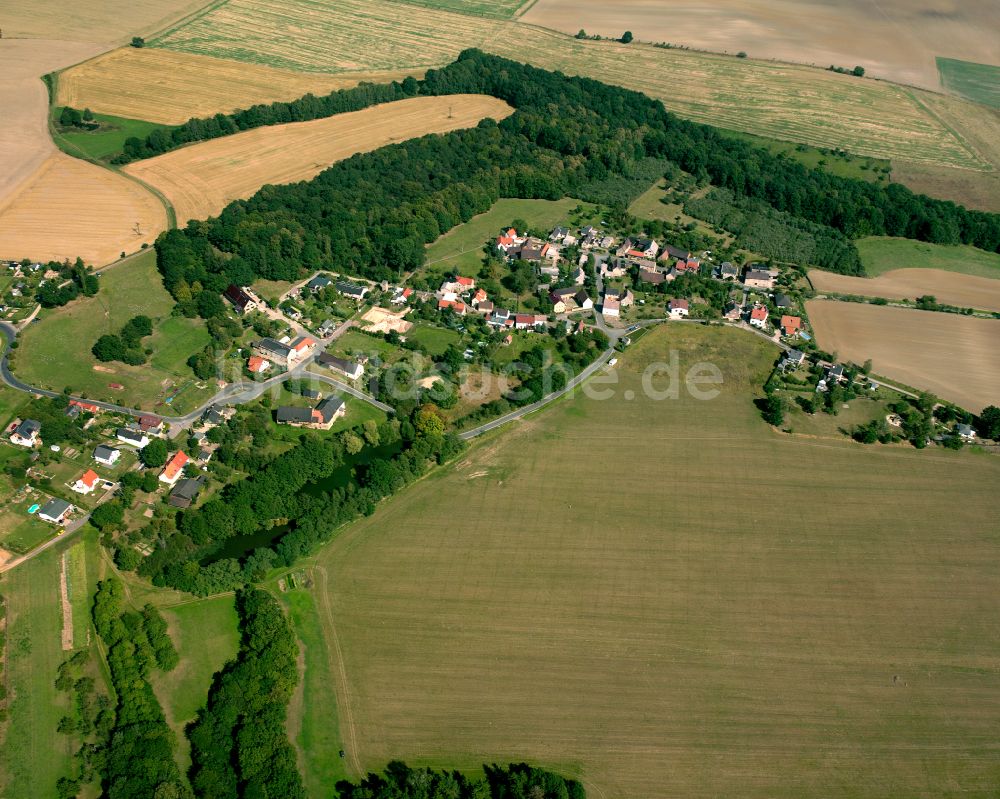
(460, 250)
(106, 142)
(435, 339)
(883, 254)
(498, 9)
(977, 82)
(33, 755)
(55, 352)
(668, 598)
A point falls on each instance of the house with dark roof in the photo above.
(55, 511)
(240, 299)
(671, 253)
(186, 492)
(149, 423)
(783, 301)
(727, 271)
(758, 279)
(273, 351)
(321, 417)
(348, 368)
(355, 292)
(26, 433)
(106, 456)
(136, 438)
(318, 283)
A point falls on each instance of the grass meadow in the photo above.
(881, 254)
(105, 142)
(669, 598)
(977, 82)
(55, 352)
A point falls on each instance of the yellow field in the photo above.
(955, 357)
(895, 39)
(966, 291)
(784, 101)
(170, 88)
(24, 135)
(72, 208)
(200, 180)
(105, 21)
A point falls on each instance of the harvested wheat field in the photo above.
(104, 21)
(965, 291)
(171, 87)
(24, 134)
(200, 180)
(785, 101)
(607, 589)
(893, 39)
(72, 208)
(955, 357)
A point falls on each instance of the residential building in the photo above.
(783, 301)
(240, 299)
(55, 511)
(965, 432)
(301, 347)
(321, 417)
(86, 482)
(150, 424)
(318, 283)
(651, 278)
(638, 248)
(678, 308)
(186, 492)
(611, 307)
(790, 325)
(348, 368)
(733, 311)
(174, 469)
(273, 351)
(793, 359)
(294, 415)
(758, 279)
(257, 365)
(727, 271)
(582, 300)
(352, 290)
(671, 253)
(456, 306)
(326, 328)
(527, 321)
(135, 438)
(758, 316)
(106, 456)
(26, 433)
(485, 307)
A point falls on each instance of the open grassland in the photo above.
(894, 39)
(881, 254)
(103, 21)
(954, 357)
(784, 101)
(977, 82)
(201, 179)
(170, 87)
(73, 208)
(965, 291)
(55, 352)
(24, 136)
(105, 142)
(668, 598)
(33, 755)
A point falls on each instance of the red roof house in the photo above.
(790, 325)
(174, 468)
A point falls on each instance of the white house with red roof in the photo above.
(791, 325)
(455, 305)
(678, 308)
(258, 364)
(758, 316)
(174, 469)
(86, 482)
(528, 321)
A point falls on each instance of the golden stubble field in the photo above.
(72, 208)
(201, 179)
(668, 598)
(169, 87)
(955, 357)
(952, 288)
(104, 21)
(893, 39)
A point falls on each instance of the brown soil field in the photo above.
(893, 39)
(104, 21)
(170, 87)
(200, 180)
(72, 208)
(24, 135)
(966, 291)
(955, 357)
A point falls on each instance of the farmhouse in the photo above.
(638, 248)
(321, 417)
(134, 437)
(106, 456)
(284, 354)
(758, 279)
(758, 316)
(651, 277)
(790, 325)
(351, 290)
(86, 482)
(55, 511)
(678, 308)
(26, 433)
(186, 492)
(671, 253)
(350, 369)
(240, 299)
(174, 469)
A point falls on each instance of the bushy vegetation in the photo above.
(126, 346)
(516, 781)
(239, 747)
(73, 280)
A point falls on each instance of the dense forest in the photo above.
(373, 213)
(239, 746)
(517, 781)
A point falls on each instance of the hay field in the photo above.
(881, 254)
(200, 180)
(893, 39)
(24, 134)
(170, 87)
(104, 21)
(669, 599)
(781, 101)
(952, 356)
(72, 208)
(966, 291)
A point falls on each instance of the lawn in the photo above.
(33, 755)
(354, 343)
(55, 352)
(977, 82)
(668, 598)
(105, 143)
(435, 339)
(460, 250)
(882, 254)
